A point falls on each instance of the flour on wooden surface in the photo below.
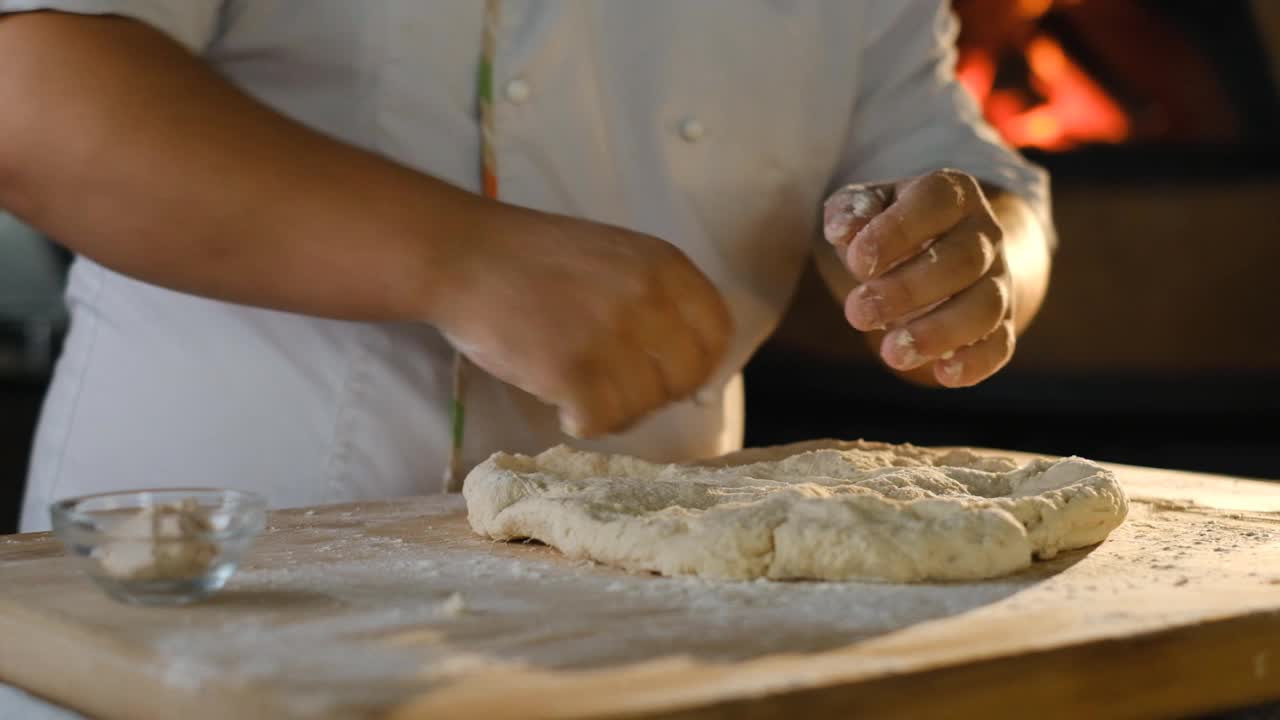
(354, 625)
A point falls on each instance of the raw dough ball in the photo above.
(825, 510)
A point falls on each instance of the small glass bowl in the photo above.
(138, 549)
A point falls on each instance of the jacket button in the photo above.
(518, 91)
(692, 129)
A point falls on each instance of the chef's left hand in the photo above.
(935, 279)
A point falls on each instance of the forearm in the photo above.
(1026, 251)
(130, 151)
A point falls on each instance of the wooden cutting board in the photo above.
(395, 609)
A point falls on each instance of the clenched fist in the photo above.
(931, 258)
(604, 323)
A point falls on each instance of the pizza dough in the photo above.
(825, 510)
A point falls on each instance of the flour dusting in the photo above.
(355, 624)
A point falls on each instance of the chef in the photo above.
(324, 247)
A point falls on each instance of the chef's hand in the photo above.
(605, 323)
(936, 284)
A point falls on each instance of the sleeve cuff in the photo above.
(192, 23)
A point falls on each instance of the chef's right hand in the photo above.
(606, 324)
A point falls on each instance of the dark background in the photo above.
(19, 404)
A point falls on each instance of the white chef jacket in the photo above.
(718, 125)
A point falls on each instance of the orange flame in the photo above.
(1076, 109)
